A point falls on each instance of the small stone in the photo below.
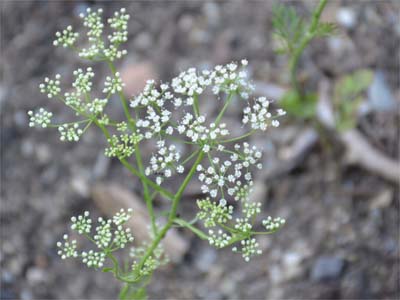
(36, 275)
(346, 17)
(101, 166)
(81, 186)
(135, 76)
(43, 154)
(292, 264)
(382, 200)
(205, 259)
(143, 41)
(327, 267)
(27, 148)
(26, 294)
(7, 277)
(21, 119)
(380, 97)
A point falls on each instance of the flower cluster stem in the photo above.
(138, 156)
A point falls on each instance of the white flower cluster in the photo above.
(93, 259)
(114, 84)
(122, 237)
(70, 132)
(151, 95)
(156, 260)
(251, 209)
(120, 24)
(189, 83)
(97, 49)
(219, 239)
(122, 217)
(229, 173)
(258, 115)
(83, 83)
(92, 20)
(165, 162)
(106, 237)
(212, 213)
(112, 52)
(228, 79)
(51, 87)
(154, 122)
(157, 116)
(73, 100)
(82, 224)
(67, 249)
(123, 145)
(196, 130)
(109, 236)
(41, 118)
(250, 247)
(272, 224)
(103, 234)
(96, 106)
(66, 38)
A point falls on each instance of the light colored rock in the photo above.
(382, 200)
(110, 198)
(346, 17)
(135, 76)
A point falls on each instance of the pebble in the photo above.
(43, 154)
(80, 185)
(135, 76)
(327, 267)
(36, 275)
(21, 119)
(143, 41)
(26, 294)
(212, 13)
(346, 17)
(380, 97)
(101, 166)
(205, 259)
(27, 148)
(292, 264)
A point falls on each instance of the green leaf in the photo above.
(348, 96)
(303, 107)
(325, 29)
(289, 28)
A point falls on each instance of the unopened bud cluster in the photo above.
(108, 236)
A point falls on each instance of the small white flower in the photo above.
(41, 118)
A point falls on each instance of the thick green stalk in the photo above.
(304, 42)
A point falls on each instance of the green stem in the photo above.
(172, 214)
(221, 113)
(304, 42)
(135, 172)
(132, 126)
(239, 137)
(189, 226)
(155, 186)
(196, 108)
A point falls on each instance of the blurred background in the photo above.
(341, 240)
